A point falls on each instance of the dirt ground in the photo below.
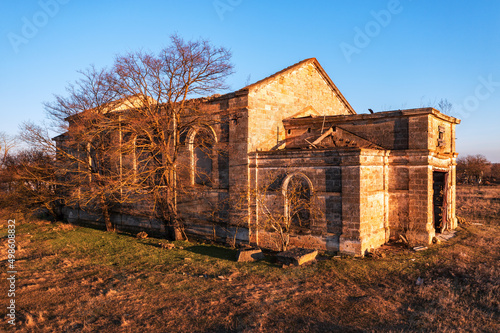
(75, 279)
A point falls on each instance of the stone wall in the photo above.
(270, 171)
(300, 92)
(365, 222)
(378, 186)
(208, 207)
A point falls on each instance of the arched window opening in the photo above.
(202, 153)
(298, 202)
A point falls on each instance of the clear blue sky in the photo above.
(382, 55)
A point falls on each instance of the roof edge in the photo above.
(295, 66)
(378, 115)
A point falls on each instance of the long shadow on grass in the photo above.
(213, 251)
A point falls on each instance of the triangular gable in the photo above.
(306, 112)
(336, 137)
(124, 103)
(294, 67)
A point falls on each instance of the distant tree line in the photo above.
(476, 169)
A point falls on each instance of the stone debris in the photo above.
(142, 235)
(226, 278)
(403, 239)
(446, 235)
(296, 256)
(168, 246)
(420, 248)
(375, 253)
(249, 254)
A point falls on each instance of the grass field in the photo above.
(479, 204)
(75, 279)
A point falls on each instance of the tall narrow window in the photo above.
(202, 157)
(297, 191)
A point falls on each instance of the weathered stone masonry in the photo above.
(370, 177)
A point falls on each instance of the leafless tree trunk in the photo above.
(165, 84)
(89, 152)
(135, 110)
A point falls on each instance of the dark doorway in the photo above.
(439, 199)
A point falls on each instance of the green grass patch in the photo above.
(82, 279)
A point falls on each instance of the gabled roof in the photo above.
(294, 67)
(121, 104)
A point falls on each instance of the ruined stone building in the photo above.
(362, 178)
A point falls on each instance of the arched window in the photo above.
(202, 146)
(297, 189)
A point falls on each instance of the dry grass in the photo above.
(74, 279)
(479, 204)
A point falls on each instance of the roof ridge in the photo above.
(294, 66)
(270, 77)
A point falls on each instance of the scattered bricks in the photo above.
(296, 256)
(142, 235)
(375, 253)
(168, 246)
(249, 254)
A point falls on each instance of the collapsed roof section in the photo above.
(390, 130)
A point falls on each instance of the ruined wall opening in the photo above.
(297, 189)
(439, 200)
(202, 153)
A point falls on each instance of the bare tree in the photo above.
(89, 152)
(30, 184)
(286, 205)
(472, 168)
(445, 106)
(121, 127)
(495, 172)
(165, 85)
(7, 144)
